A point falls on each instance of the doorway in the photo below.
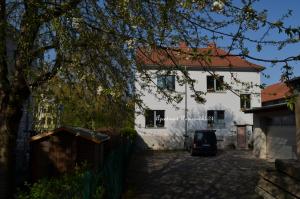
(241, 137)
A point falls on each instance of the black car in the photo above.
(202, 142)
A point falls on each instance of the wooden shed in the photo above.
(59, 151)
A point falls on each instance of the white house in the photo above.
(162, 126)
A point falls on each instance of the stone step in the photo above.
(290, 167)
(263, 193)
(283, 181)
(268, 190)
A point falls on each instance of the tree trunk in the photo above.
(7, 143)
(297, 117)
(10, 116)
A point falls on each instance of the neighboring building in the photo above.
(274, 127)
(162, 126)
(275, 94)
(46, 115)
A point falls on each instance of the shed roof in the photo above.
(275, 92)
(88, 134)
(280, 106)
(219, 59)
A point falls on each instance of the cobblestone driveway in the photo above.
(164, 175)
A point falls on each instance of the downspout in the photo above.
(185, 109)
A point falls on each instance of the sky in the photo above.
(276, 8)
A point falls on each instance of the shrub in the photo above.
(115, 139)
(250, 145)
(81, 184)
(129, 132)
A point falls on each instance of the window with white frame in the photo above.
(215, 83)
(245, 101)
(216, 118)
(154, 118)
(166, 82)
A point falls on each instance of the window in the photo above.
(155, 118)
(166, 82)
(215, 84)
(210, 117)
(245, 100)
(216, 118)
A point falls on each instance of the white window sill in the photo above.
(216, 91)
(155, 127)
(166, 89)
(243, 109)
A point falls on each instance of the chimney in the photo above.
(182, 45)
(211, 45)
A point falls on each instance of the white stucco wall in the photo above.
(171, 136)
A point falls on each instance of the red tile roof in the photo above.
(184, 56)
(275, 92)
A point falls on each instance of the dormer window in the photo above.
(166, 82)
(215, 83)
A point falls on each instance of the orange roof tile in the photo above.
(275, 92)
(184, 56)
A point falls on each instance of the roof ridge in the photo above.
(154, 56)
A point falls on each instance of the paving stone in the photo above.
(230, 174)
(267, 189)
(281, 180)
(290, 167)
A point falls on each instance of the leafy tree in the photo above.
(96, 40)
(80, 104)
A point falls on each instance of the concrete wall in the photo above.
(259, 143)
(281, 142)
(171, 136)
(274, 141)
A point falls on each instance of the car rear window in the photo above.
(207, 135)
(198, 136)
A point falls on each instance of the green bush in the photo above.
(129, 132)
(81, 184)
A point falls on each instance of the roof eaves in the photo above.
(233, 68)
(268, 107)
(76, 131)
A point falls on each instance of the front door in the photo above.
(241, 137)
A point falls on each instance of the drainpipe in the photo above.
(297, 118)
(185, 108)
